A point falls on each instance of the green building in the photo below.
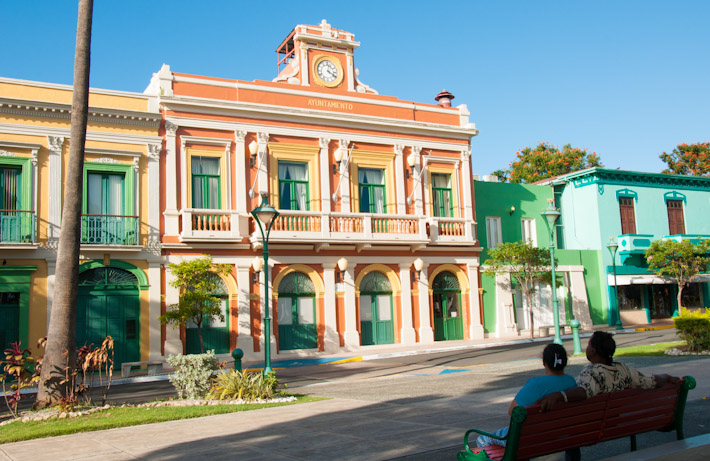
(512, 212)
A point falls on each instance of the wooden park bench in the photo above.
(155, 367)
(577, 424)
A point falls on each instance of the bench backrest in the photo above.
(603, 417)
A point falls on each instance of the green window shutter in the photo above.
(206, 183)
(442, 196)
(371, 186)
(293, 186)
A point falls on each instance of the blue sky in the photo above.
(626, 79)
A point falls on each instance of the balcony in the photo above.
(109, 230)
(206, 224)
(366, 229)
(17, 226)
(694, 239)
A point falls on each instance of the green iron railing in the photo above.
(109, 230)
(17, 226)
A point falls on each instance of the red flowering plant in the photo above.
(20, 371)
(688, 159)
(546, 161)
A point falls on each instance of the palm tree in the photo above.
(60, 352)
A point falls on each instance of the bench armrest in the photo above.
(478, 431)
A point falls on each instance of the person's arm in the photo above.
(513, 404)
(574, 394)
(661, 380)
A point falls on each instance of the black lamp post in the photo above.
(265, 215)
(551, 214)
(613, 246)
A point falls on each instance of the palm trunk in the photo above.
(60, 353)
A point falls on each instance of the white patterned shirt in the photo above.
(597, 378)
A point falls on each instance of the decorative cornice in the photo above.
(170, 128)
(4, 153)
(27, 108)
(603, 176)
(154, 151)
(55, 143)
(107, 160)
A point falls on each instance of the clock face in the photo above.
(327, 71)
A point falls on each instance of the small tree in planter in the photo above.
(680, 261)
(195, 279)
(525, 263)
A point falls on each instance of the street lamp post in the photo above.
(551, 214)
(265, 215)
(613, 246)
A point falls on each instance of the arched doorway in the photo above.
(376, 317)
(297, 312)
(215, 333)
(109, 305)
(448, 321)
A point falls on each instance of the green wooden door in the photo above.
(296, 313)
(109, 305)
(114, 313)
(376, 311)
(448, 321)
(9, 318)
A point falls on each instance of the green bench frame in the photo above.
(577, 424)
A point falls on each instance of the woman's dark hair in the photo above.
(555, 357)
(604, 344)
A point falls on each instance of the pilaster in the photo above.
(154, 326)
(345, 180)
(330, 339)
(324, 174)
(170, 186)
(426, 333)
(352, 336)
(263, 174)
(245, 341)
(173, 343)
(240, 176)
(476, 328)
(399, 179)
(408, 335)
(417, 184)
(154, 191)
(56, 145)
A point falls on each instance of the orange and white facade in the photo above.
(369, 178)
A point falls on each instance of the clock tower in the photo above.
(320, 57)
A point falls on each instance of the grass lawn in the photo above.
(121, 417)
(646, 350)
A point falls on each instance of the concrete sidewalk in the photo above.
(415, 429)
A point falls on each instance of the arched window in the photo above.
(297, 312)
(448, 322)
(376, 316)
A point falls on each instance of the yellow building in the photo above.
(120, 213)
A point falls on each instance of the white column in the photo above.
(173, 344)
(154, 191)
(505, 319)
(228, 174)
(580, 303)
(466, 186)
(476, 327)
(35, 185)
(350, 70)
(154, 311)
(263, 174)
(51, 269)
(426, 333)
(55, 186)
(425, 187)
(418, 177)
(408, 334)
(331, 338)
(240, 176)
(345, 181)
(324, 174)
(137, 186)
(399, 179)
(170, 186)
(185, 176)
(245, 341)
(352, 336)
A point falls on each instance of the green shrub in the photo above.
(235, 385)
(192, 374)
(694, 328)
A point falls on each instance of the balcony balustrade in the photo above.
(206, 224)
(17, 226)
(109, 230)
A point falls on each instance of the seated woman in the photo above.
(603, 375)
(554, 359)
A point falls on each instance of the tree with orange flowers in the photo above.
(688, 159)
(546, 161)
